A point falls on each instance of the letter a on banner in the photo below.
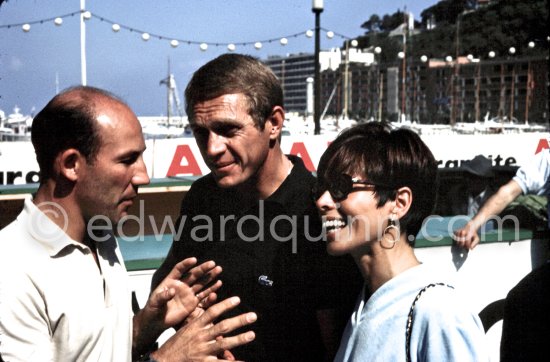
(299, 149)
(543, 144)
(184, 163)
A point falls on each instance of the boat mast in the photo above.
(174, 107)
(82, 43)
(169, 95)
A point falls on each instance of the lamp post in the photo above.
(309, 96)
(402, 56)
(512, 51)
(317, 8)
(456, 74)
(477, 91)
(420, 99)
(529, 85)
(345, 112)
(379, 83)
(502, 93)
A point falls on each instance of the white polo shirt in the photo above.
(55, 303)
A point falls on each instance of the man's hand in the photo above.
(175, 299)
(467, 236)
(201, 340)
(182, 290)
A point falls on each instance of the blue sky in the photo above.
(132, 68)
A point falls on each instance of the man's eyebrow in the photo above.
(218, 123)
(131, 153)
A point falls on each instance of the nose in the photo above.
(140, 176)
(215, 144)
(325, 202)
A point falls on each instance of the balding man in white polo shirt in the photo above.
(63, 285)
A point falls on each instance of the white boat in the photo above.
(15, 126)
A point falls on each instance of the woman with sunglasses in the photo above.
(375, 187)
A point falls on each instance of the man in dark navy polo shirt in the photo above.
(254, 215)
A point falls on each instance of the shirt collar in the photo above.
(52, 238)
(286, 192)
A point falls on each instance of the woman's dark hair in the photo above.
(392, 158)
(67, 121)
(232, 74)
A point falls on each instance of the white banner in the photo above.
(181, 157)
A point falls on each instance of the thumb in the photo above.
(160, 298)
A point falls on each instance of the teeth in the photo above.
(334, 224)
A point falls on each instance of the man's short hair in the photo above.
(233, 74)
(68, 121)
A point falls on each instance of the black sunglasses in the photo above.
(340, 187)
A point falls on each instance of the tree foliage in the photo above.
(495, 27)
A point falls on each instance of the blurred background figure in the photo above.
(467, 197)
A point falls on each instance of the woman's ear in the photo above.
(68, 164)
(403, 201)
(275, 122)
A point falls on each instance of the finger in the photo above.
(212, 289)
(458, 234)
(230, 324)
(205, 271)
(458, 237)
(226, 355)
(475, 241)
(181, 268)
(162, 295)
(228, 343)
(218, 309)
(465, 242)
(208, 301)
(199, 272)
(204, 280)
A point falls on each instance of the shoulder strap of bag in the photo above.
(410, 317)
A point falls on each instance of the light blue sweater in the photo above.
(444, 328)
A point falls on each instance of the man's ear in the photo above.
(68, 163)
(275, 122)
(403, 201)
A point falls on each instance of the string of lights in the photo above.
(58, 20)
(174, 42)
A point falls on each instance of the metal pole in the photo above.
(478, 87)
(528, 91)
(82, 43)
(502, 100)
(169, 95)
(380, 96)
(317, 89)
(283, 76)
(456, 77)
(454, 82)
(512, 89)
(346, 82)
